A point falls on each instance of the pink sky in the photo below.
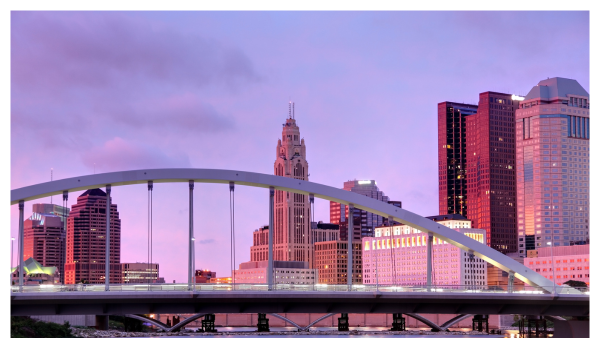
(137, 90)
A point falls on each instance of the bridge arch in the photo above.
(220, 176)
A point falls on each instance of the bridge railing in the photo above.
(517, 289)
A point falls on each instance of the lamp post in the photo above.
(12, 242)
(193, 263)
(553, 275)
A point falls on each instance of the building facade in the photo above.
(44, 240)
(204, 276)
(553, 167)
(291, 217)
(52, 209)
(331, 260)
(284, 272)
(364, 222)
(491, 186)
(570, 263)
(86, 240)
(139, 273)
(398, 256)
(452, 156)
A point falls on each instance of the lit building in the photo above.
(499, 277)
(284, 272)
(491, 191)
(452, 156)
(44, 240)
(139, 273)
(204, 276)
(364, 222)
(324, 232)
(291, 236)
(570, 262)
(553, 173)
(398, 256)
(220, 280)
(86, 240)
(259, 251)
(331, 259)
(53, 209)
(35, 273)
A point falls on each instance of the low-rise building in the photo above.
(284, 272)
(332, 262)
(397, 255)
(139, 273)
(35, 273)
(570, 263)
(204, 276)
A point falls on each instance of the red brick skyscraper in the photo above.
(86, 241)
(452, 156)
(491, 170)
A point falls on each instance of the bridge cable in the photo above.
(393, 259)
(232, 229)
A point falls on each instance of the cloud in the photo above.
(205, 241)
(119, 154)
(116, 49)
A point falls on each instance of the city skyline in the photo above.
(229, 117)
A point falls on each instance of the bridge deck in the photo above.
(128, 302)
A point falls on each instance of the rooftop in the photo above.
(556, 87)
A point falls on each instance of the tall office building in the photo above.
(86, 240)
(44, 240)
(291, 236)
(491, 191)
(452, 156)
(139, 273)
(52, 209)
(553, 168)
(364, 222)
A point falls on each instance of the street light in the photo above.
(12, 241)
(552, 256)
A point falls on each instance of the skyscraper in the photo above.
(364, 222)
(553, 132)
(86, 241)
(452, 156)
(490, 160)
(44, 240)
(291, 234)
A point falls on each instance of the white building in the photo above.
(285, 272)
(397, 255)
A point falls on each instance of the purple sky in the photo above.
(210, 90)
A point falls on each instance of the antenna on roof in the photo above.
(293, 111)
(290, 110)
(51, 178)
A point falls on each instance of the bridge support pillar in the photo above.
(429, 259)
(271, 230)
(343, 324)
(350, 235)
(191, 235)
(21, 240)
(479, 322)
(107, 258)
(263, 323)
(399, 323)
(208, 323)
(101, 322)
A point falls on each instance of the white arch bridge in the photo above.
(21, 297)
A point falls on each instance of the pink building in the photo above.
(553, 165)
(285, 272)
(570, 262)
(397, 255)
